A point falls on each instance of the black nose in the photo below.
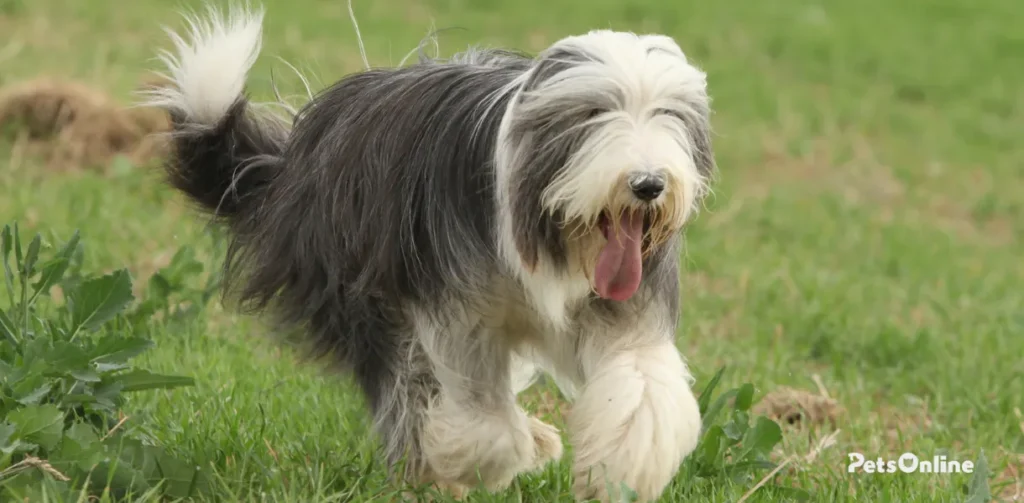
(647, 187)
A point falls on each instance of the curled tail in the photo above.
(224, 152)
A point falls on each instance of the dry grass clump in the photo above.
(72, 126)
(790, 406)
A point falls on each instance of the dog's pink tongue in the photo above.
(620, 265)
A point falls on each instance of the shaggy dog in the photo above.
(448, 229)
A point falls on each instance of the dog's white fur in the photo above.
(635, 418)
(209, 67)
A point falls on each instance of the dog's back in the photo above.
(389, 158)
(378, 194)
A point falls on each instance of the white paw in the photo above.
(473, 448)
(547, 442)
(633, 425)
(643, 458)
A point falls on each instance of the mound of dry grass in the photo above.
(72, 126)
(790, 406)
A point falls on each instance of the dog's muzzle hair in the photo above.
(446, 230)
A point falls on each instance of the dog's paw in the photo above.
(439, 490)
(606, 482)
(547, 441)
(473, 448)
(634, 424)
(453, 490)
(643, 454)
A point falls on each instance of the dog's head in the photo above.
(609, 153)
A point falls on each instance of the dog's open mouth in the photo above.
(620, 262)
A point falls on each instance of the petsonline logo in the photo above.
(907, 463)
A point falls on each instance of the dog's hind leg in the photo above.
(474, 433)
(399, 410)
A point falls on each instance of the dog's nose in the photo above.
(646, 187)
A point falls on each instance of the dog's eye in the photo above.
(671, 113)
(594, 112)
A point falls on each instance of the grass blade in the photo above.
(139, 380)
(10, 331)
(705, 396)
(6, 245)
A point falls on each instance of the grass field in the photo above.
(868, 228)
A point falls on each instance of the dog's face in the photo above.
(609, 154)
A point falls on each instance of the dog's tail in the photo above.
(225, 151)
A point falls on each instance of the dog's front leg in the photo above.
(474, 432)
(635, 420)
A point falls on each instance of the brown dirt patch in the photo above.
(1010, 482)
(72, 126)
(798, 408)
(1011, 479)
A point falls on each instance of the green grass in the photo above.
(867, 228)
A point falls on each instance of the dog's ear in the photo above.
(534, 109)
(698, 125)
(532, 226)
(525, 208)
(538, 158)
(553, 61)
